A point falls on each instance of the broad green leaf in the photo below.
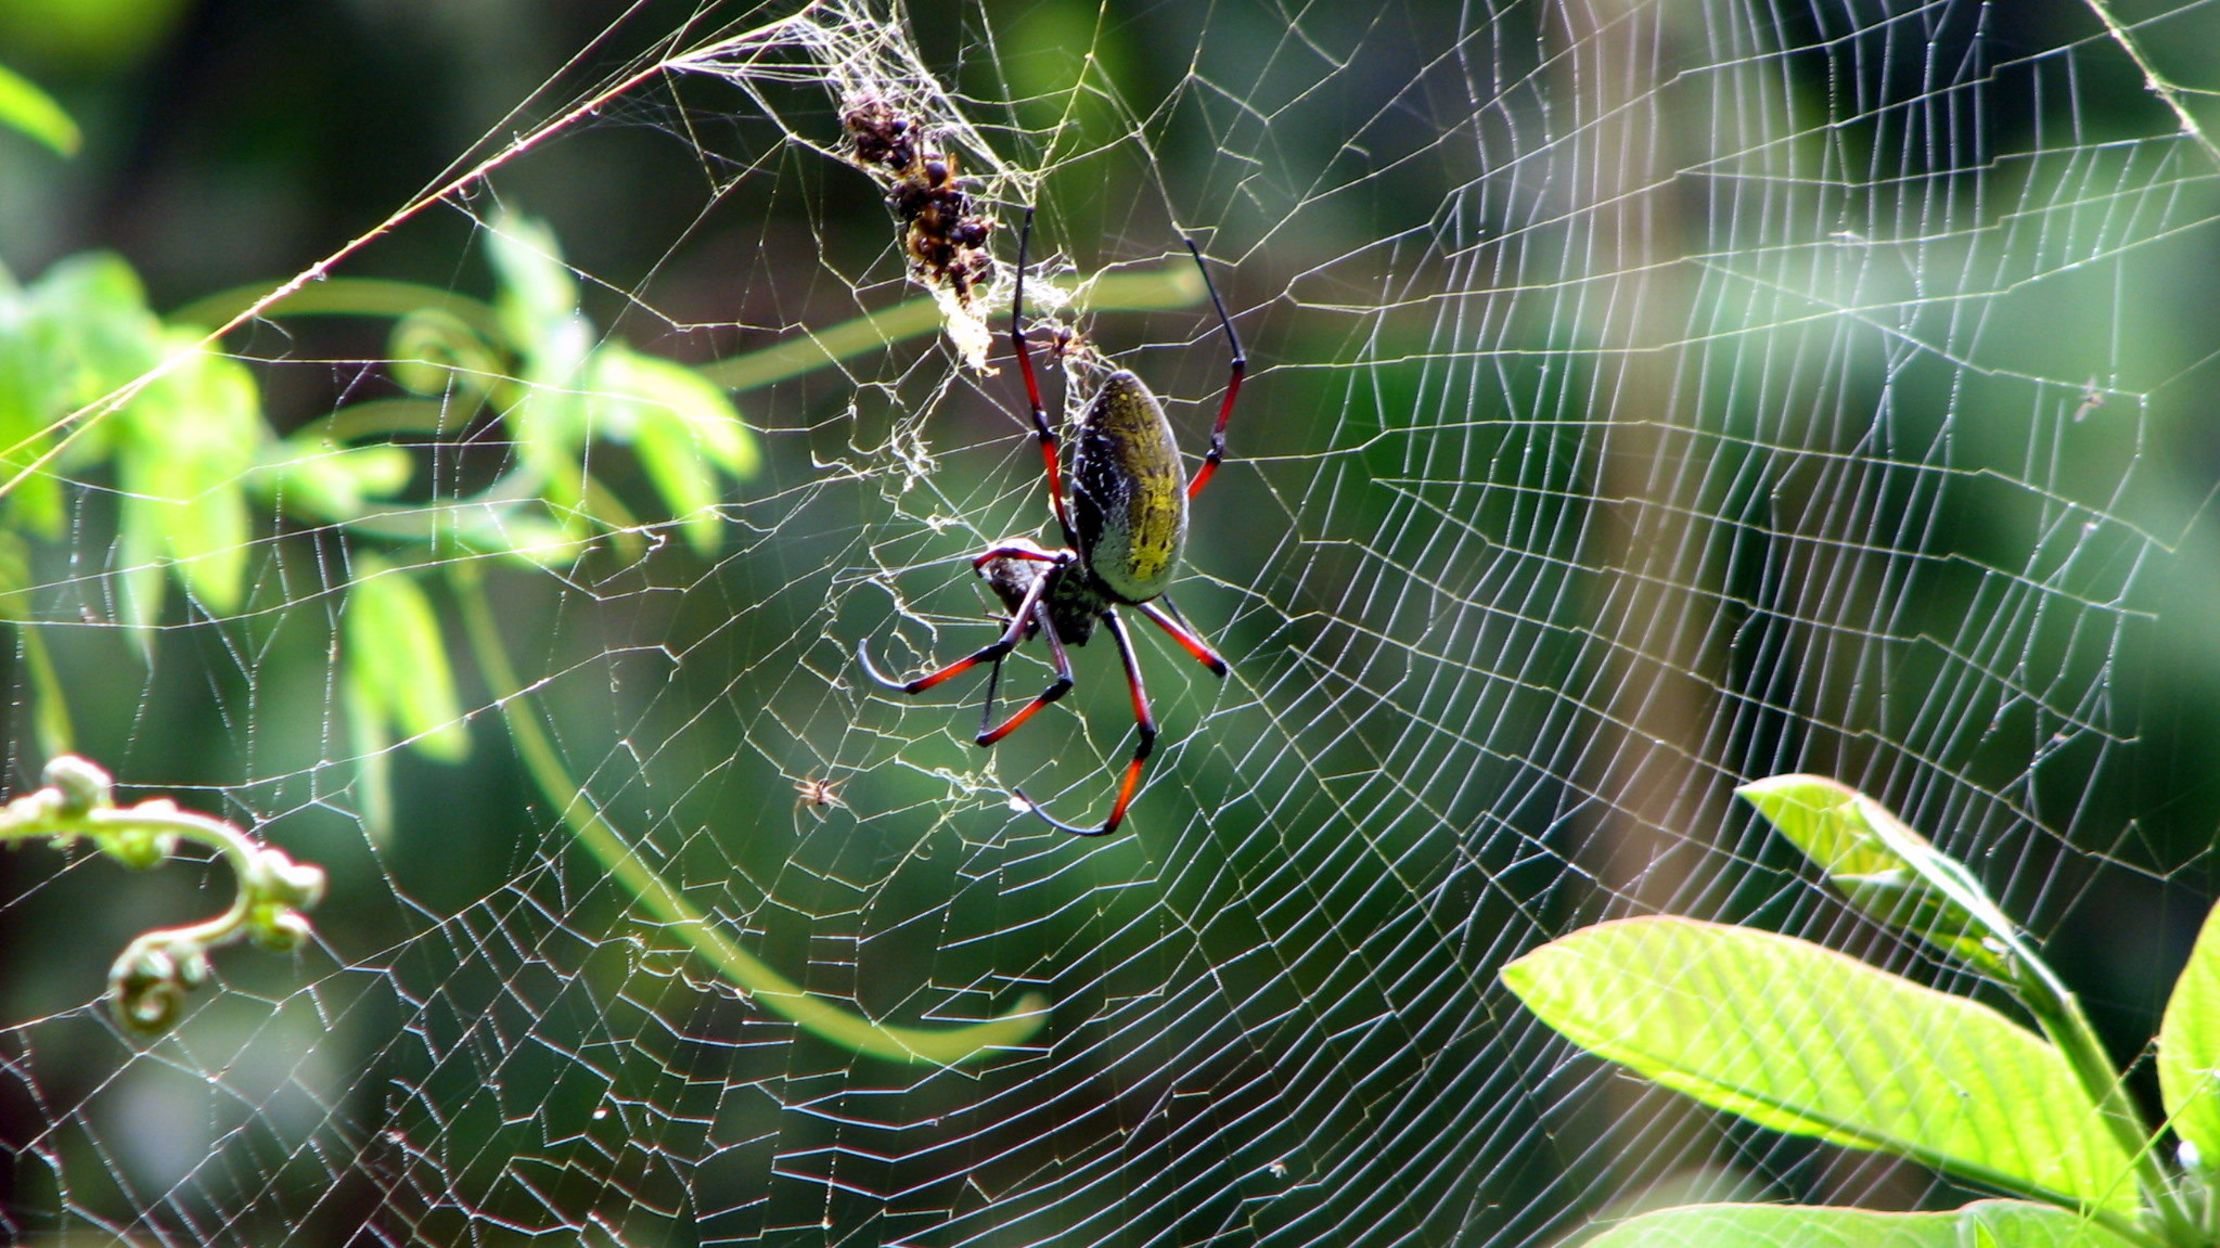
(207, 533)
(686, 399)
(397, 662)
(2189, 1047)
(26, 108)
(687, 487)
(141, 577)
(15, 578)
(50, 720)
(1801, 1039)
(532, 540)
(49, 701)
(89, 325)
(2005, 1223)
(680, 426)
(1886, 869)
(536, 302)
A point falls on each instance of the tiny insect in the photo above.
(817, 796)
(1124, 526)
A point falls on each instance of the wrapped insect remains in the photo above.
(945, 239)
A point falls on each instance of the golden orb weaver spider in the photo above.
(1124, 526)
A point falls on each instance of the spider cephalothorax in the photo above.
(1124, 527)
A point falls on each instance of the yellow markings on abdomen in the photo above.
(1129, 492)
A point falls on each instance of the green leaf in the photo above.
(397, 662)
(141, 578)
(680, 426)
(26, 108)
(2189, 1047)
(434, 351)
(535, 292)
(334, 484)
(536, 303)
(15, 578)
(1887, 870)
(533, 540)
(547, 421)
(109, 336)
(49, 701)
(30, 401)
(1801, 1039)
(50, 720)
(364, 704)
(2001, 1222)
(188, 438)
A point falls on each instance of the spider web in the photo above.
(1642, 399)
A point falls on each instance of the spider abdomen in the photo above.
(1128, 491)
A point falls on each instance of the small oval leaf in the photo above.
(24, 107)
(1888, 870)
(393, 646)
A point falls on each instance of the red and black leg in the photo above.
(1042, 432)
(1057, 688)
(1186, 637)
(1142, 720)
(1217, 450)
(992, 652)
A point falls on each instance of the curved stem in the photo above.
(339, 296)
(775, 992)
(148, 982)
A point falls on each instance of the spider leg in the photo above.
(992, 652)
(986, 709)
(1041, 430)
(1007, 550)
(1185, 636)
(1217, 450)
(1056, 689)
(1142, 720)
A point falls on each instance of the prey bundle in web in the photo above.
(904, 130)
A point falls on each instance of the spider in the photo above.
(1124, 525)
(819, 795)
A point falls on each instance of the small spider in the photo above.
(1124, 525)
(818, 795)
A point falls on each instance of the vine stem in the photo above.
(773, 991)
(148, 981)
(2059, 1014)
